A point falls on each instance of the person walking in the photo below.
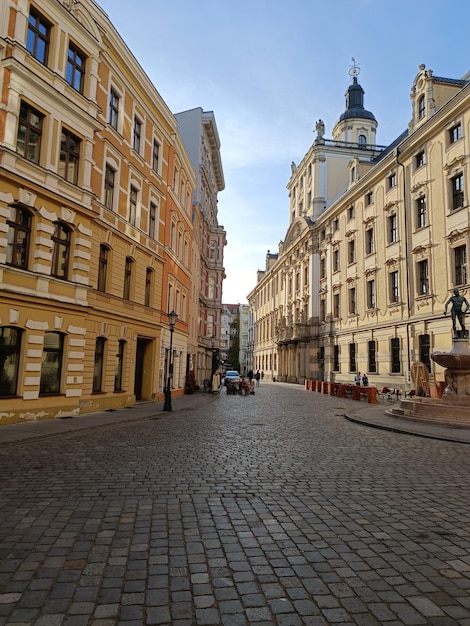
(357, 378)
(250, 376)
(257, 378)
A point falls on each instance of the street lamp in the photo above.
(172, 319)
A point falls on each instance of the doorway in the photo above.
(143, 370)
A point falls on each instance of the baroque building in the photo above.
(377, 240)
(100, 233)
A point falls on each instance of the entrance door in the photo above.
(142, 369)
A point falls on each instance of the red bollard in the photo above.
(372, 395)
(356, 392)
(341, 391)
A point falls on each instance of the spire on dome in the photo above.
(355, 97)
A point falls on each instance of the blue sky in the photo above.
(269, 69)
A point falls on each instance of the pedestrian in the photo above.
(365, 380)
(250, 375)
(257, 377)
(357, 378)
(262, 374)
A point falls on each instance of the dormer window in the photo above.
(421, 107)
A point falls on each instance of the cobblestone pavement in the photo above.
(268, 510)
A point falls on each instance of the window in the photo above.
(421, 212)
(75, 72)
(113, 109)
(322, 267)
(10, 347)
(421, 107)
(60, 250)
(392, 229)
(69, 156)
(119, 368)
(394, 287)
(132, 205)
(369, 198)
(460, 265)
(137, 135)
(336, 358)
(392, 181)
(362, 140)
(336, 224)
(395, 355)
(127, 278)
(51, 367)
(371, 357)
(370, 241)
(28, 141)
(148, 286)
(352, 357)
(99, 363)
(152, 220)
(352, 251)
(323, 234)
(420, 159)
(350, 213)
(336, 260)
(19, 233)
(371, 294)
(425, 350)
(423, 277)
(109, 181)
(352, 300)
(38, 38)
(457, 191)
(155, 156)
(102, 268)
(336, 306)
(455, 133)
(322, 310)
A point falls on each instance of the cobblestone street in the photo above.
(266, 509)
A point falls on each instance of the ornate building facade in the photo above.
(97, 219)
(378, 238)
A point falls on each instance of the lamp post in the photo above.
(172, 319)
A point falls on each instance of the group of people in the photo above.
(365, 380)
(258, 376)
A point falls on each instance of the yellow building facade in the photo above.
(96, 192)
(360, 281)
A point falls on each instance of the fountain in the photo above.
(453, 409)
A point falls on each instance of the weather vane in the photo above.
(354, 69)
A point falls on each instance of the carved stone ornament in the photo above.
(69, 4)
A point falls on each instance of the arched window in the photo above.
(421, 107)
(19, 234)
(60, 250)
(51, 367)
(362, 139)
(10, 345)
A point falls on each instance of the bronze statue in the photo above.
(457, 313)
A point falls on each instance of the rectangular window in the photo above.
(132, 205)
(336, 358)
(371, 294)
(137, 135)
(322, 310)
(392, 181)
(69, 156)
(423, 277)
(148, 286)
(370, 241)
(421, 107)
(420, 159)
(394, 287)
(75, 72)
(352, 357)
(455, 133)
(102, 268)
(352, 300)
(127, 278)
(369, 198)
(457, 192)
(152, 220)
(109, 180)
(156, 156)
(336, 305)
(336, 260)
(425, 350)
(19, 234)
(395, 355)
(322, 268)
(51, 366)
(119, 368)
(392, 229)
(350, 213)
(60, 250)
(351, 251)
(460, 265)
(28, 141)
(98, 365)
(421, 212)
(114, 109)
(39, 36)
(10, 347)
(371, 356)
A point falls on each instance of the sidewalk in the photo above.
(371, 415)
